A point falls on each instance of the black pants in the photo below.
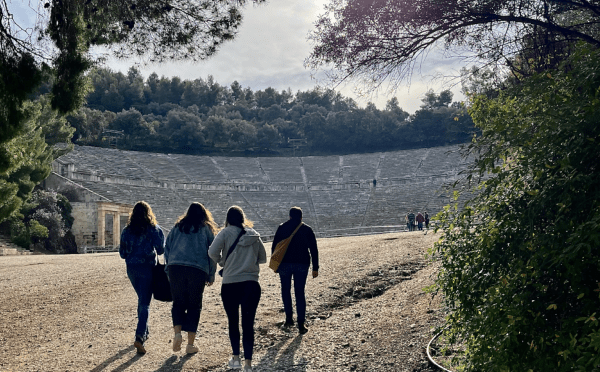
(187, 288)
(247, 295)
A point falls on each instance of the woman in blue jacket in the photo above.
(189, 269)
(141, 241)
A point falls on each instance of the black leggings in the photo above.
(187, 287)
(247, 295)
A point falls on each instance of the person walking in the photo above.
(420, 219)
(426, 221)
(239, 250)
(189, 269)
(295, 265)
(411, 221)
(141, 241)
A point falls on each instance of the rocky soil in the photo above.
(367, 312)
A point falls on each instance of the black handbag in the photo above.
(161, 288)
(231, 249)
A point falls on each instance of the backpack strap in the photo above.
(232, 248)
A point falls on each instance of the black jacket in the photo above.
(303, 246)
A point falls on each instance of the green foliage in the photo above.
(43, 221)
(520, 267)
(50, 211)
(375, 41)
(19, 233)
(201, 116)
(37, 231)
(30, 154)
(19, 75)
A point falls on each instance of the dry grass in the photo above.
(367, 312)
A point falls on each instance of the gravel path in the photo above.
(367, 312)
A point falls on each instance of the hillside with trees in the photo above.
(56, 46)
(519, 261)
(161, 114)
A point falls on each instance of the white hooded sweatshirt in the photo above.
(243, 264)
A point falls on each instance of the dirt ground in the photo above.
(366, 310)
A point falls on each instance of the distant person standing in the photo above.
(407, 222)
(295, 264)
(239, 250)
(141, 241)
(190, 269)
(426, 221)
(420, 220)
(411, 221)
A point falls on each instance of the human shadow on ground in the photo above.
(114, 358)
(285, 361)
(172, 364)
(128, 363)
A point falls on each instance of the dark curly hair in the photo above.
(141, 218)
(196, 217)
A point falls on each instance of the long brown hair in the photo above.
(141, 218)
(196, 217)
(237, 217)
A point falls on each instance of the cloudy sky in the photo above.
(270, 50)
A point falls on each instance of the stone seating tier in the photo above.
(389, 206)
(318, 169)
(340, 202)
(335, 199)
(160, 166)
(440, 158)
(199, 168)
(360, 167)
(322, 169)
(282, 170)
(245, 169)
(401, 164)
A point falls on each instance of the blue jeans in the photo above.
(299, 272)
(140, 277)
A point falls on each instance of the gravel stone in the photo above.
(367, 312)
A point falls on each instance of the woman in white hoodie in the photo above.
(240, 280)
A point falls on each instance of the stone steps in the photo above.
(9, 249)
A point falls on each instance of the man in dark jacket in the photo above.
(295, 264)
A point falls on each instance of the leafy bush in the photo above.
(52, 211)
(520, 262)
(37, 232)
(19, 234)
(45, 221)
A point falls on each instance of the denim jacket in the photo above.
(142, 249)
(191, 250)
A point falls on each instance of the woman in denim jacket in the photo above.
(141, 241)
(189, 269)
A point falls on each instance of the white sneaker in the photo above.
(191, 349)
(234, 363)
(177, 342)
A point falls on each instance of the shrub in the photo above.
(520, 266)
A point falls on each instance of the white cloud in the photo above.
(270, 49)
